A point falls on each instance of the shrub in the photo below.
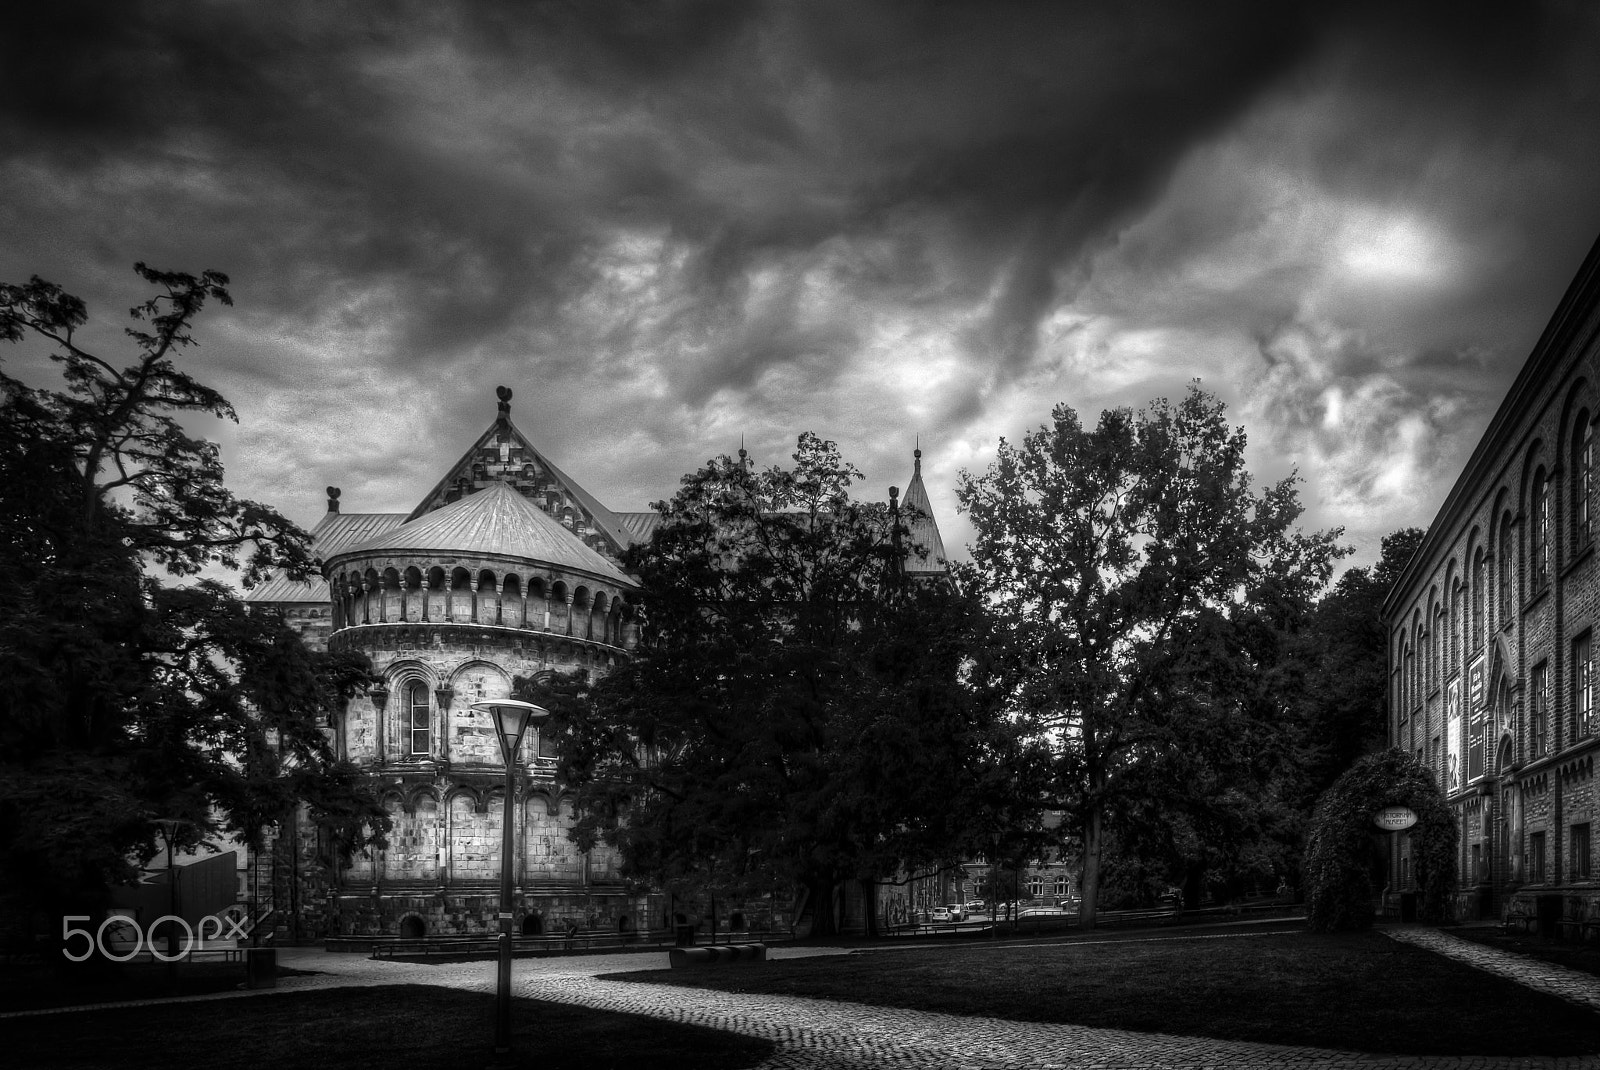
(1338, 886)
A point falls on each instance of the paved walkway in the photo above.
(813, 1034)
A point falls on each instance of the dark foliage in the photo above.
(1339, 891)
(124, 700)
(797, 710)
(1146, 597)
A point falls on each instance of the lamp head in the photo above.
(511, 717)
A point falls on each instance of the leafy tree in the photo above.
(796, 710)
(124, 699)
(1343, 708)
(1142, 591)
(1343, 843)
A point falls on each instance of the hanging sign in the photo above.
(1394, 818)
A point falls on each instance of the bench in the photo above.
(1518, 916)
(689, 957)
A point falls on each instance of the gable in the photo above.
(504, 454)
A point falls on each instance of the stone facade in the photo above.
(1492, 630)
(505, 571)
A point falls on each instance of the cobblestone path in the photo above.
(1578, 987)
(813, 1034)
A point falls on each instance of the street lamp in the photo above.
(169, 831)
(511, 717)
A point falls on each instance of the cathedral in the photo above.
(506, 568)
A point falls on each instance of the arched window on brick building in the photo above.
(1539, 536)
(1480, 583)
(1582, 482)
(1507, 576)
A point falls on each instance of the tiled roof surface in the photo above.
(639, 526)
(924, 530)
(495, 520)
(333, 533)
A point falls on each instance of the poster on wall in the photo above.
(1452, 742)
(1477, 716)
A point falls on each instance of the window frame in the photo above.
(1580, 860)
(1539, 710)
(414, 711)
(1583, 484)
(1539, 537)
(1583, 719)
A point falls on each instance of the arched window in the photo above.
(1539, 711)
(418, 725)
(1410, 694)
(1505, 570)
(1480, 582)
(1539, 537)
(1582, 482)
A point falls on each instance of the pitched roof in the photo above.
(503, 453)
(924, 530)
(495, 520)
(333, 533)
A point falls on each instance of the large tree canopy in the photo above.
(1142, 590)
(123, 699)
(797, 708)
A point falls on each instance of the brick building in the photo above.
(1492, 630)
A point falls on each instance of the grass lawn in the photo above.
(1352, 991)
(411, 1026)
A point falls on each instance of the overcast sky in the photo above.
(667, 226)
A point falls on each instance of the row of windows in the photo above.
(1428, 651)
(1580, 856)
(1545, 731)
(419, 726)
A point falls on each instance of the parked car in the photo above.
(958, 911)
(976, 906)
(941, 915)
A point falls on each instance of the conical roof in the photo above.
(923, 529)
(495, 520)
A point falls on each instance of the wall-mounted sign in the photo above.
(1453, 739)
(1394, 818)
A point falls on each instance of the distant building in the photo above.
(507, 567)
(1492, 629)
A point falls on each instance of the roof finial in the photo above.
(916, 454)
(743, 456)
(504, 394)
(333, 499)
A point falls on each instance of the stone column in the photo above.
(444, 695)
(499, 600)
(425, 588)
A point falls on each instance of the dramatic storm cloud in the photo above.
(670, 226)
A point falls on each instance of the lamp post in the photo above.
(511, 717)
(169, 831)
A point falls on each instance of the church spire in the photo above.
(922, 530)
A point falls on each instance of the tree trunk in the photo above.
(823, 921)
(869, 905)
(1090, 906)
